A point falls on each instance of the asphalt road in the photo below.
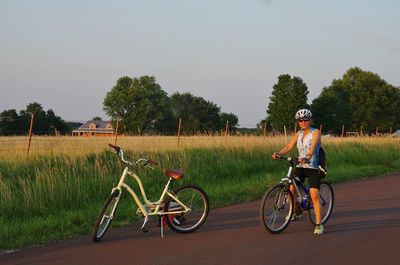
(364, 229)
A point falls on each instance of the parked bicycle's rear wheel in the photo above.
(276, 208)
(106, 216)
(326, 198)
(192, 197)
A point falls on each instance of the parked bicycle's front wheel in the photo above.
(326, 198)
(106, 216)
(196, 200)
(276, 208)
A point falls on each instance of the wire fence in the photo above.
(34, 142)
(39, 145)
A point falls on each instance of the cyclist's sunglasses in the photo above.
(302, 120)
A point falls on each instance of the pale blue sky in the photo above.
(68, 54)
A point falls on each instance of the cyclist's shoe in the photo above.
(297, 213)
(319, 230)
(295, 217)
(287, 217)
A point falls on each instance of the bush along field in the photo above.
(47, 198)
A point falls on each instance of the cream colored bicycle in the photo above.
(184, 210)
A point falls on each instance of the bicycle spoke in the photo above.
(273, 212)
(196, 200)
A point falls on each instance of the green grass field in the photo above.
(46, 198)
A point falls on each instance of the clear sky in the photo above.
(67, 55)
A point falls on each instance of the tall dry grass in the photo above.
(17, 147)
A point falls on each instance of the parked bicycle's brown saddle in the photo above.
(174, 173)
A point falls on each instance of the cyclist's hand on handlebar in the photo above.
(276, 155)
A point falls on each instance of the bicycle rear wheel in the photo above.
(276, 208)
(326, 197)
(192, 197)
(106, 216)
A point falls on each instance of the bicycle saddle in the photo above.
(174, 173)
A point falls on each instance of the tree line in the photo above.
(360, 99)
(45, 122)
(142, 106)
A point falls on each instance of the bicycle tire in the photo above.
(272, 209)
(197, 200)
(327, 201)
(103, 221)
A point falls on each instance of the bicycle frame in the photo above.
(149, 208)
(290, 179)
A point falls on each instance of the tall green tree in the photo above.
(232, 121)
(10, 122)
(331, 109)
(288, 96)
(40, 125)
(198, 115)
(359, 98)
(140, 103)
(55, 123)
(45, 122)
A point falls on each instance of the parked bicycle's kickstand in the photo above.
(162, 226)
(144, 229)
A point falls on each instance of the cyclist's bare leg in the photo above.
(314, 193)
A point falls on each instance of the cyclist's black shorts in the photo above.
(314, 178)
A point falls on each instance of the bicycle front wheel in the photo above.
(326, 198)
(106, 216)
(196, 200)
(276, 208)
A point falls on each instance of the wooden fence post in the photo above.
(320, 128)
(342, 130)
(284, 129)
(265, 132)
(179, 130)
(116, 133)
(30, 133)
(226, 128)
(361, 131)
(376, 131)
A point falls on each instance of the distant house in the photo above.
(94, 128)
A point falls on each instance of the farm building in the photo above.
(94, 128)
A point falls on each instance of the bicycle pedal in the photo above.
(144, 230)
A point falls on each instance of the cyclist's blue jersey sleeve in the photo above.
(304, 145)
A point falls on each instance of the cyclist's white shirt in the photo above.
(303, 145)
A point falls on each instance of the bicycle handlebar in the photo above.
(143, 161)
(293, 160)
(116, 148)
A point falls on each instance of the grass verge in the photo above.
(50, 198)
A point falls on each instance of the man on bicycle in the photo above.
(308, 141)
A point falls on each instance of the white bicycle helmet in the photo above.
(303, 114)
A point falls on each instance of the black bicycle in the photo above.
(276, 209)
